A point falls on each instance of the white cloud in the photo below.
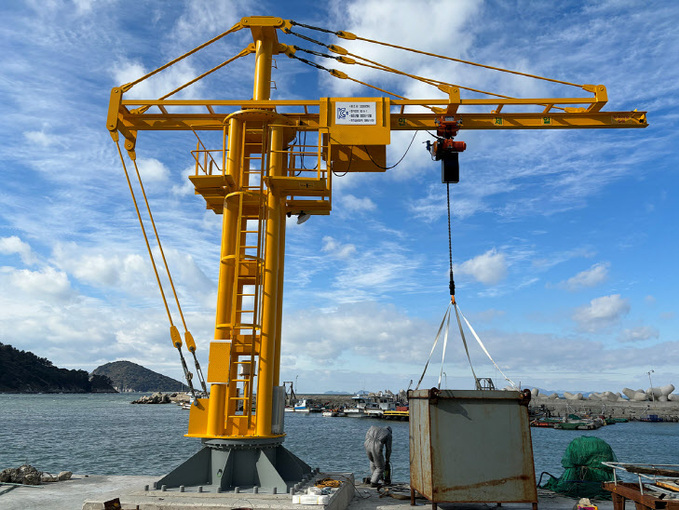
(45, 285)
(601, 313)
(639, 334)
(186, 187)
(152, 170)
(489, 268)
(591, 277)
(336, 249)
(108, 270)
(203, 19)
(403, 23)
(14, 245)
(132, 274)
(350, 203)
(373, 332)
(43, 139)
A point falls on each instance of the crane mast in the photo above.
(255, 180)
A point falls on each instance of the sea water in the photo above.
(105, 434)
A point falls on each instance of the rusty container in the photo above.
(471, 446)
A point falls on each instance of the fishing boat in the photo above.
(303, 406)
(371, 405)
(328, 413)
(575, 422)
(545, 422)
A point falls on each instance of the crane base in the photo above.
(242, 464)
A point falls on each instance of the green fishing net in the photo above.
(583, 469)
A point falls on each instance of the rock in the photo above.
(572, 396)
(31, 476)
(25, 474)
(64, 475)
(5, 475)
(156, 398)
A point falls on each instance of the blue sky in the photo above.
(564, 242)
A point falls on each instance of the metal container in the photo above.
(471, 446)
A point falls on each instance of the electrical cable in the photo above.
(365, 148)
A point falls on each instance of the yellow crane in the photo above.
(256, 178)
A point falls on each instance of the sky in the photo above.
(564, 242)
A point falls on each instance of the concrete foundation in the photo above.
(252, 498)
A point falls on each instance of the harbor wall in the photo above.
(632, 410)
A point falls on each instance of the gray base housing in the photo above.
(226, 465)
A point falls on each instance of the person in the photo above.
(375, 439)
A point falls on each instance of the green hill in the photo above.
(128, 376)
(24, 372)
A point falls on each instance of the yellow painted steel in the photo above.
(258, 177)
(270, 311)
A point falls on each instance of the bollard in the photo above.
(255, 489)
(236, 490)
(274, 490)
(146, 488)
(181, 488)
(200, 488)
(163, 488)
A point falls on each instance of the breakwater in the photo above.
(631, 410)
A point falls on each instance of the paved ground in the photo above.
(71, 495)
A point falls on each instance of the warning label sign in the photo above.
(356, 113)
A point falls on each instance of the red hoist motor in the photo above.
(446, 150)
